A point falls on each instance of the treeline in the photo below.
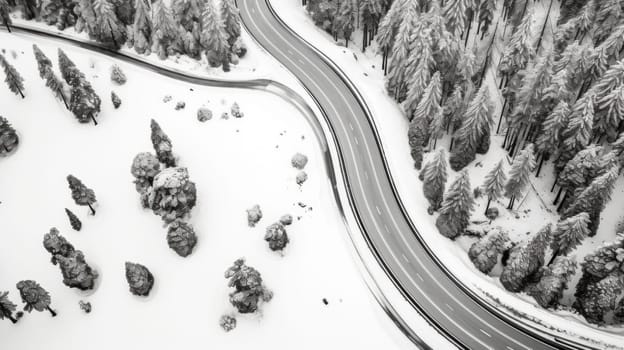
(190, 27)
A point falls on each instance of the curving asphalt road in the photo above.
(441, 298)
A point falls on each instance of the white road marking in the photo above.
(378, 211)
(356, 141)
(449, 306)
(510, 348)
(420, 277)
(484, 332)
(402, 234)
(300, 61)
(351, 126)
(405, 258)
(366, 175)
(290, 52)
(386, 227)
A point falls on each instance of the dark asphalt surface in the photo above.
(389, 231)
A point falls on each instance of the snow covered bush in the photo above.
(117, 75)
(8, 138)
(162, 145)
(34, 296)
(140, 279)
(115, 100)
(254, 214)
(456, 208)
(276, 236)
(235, 111)
(7, 307)
(145, 167)
(301, 177)
(485, 252)
(299, 161)
(204, 114)
(525, 261)
(227, 322)
(80, 193)
(172, 195)
(249, 291)
(555, 278)
(181, 238)
(76, 272)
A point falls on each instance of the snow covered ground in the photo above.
(364, 69)
(235, 163)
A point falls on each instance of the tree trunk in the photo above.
(552, 258)
(488, 204)
(364, 37)
(500, 119)
(12, 319)
(539, 167)
(9, 29)
(112, 34)
(511, 202)
(479, 28)
(553, 186)
(451, 145)
(60, 92)
(5, 148)
(558, 195)
(93, 118)
(91, 207)
(560, 206)
(51, 311)
(539, 42)
(467, 33)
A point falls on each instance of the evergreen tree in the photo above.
(569, 234)
(599, 298)
(73, 220)
(86, 17)
(34, 296)
(76, 272)
(344, 20)
(486, 15)
(231, 20)
(485, 252)
(474, 129)
(519, 174)
(555, 278)
(397, 64)
(610, 112)
(388, 28)
(142, 29)
(419, 80)
(13, 79)
(594, 198)
(8, 138)
(456, 208)
(494, 184)
(187, 12)
(81, 194)
(5, 11)
(111, 31)
(162, 145)
(455, 12)
(165, 32)
(7, 307)
(418, 137)
(249, 290)
(370, 13)
(214, 37)
(43, 62)
(608, 15)
(276, 236)
(72, 75)
(140, 279)
(578, 132)
(549, 140)
(181, 238)
(519, 50)
(525, 261)
(434, 180)
(125, 11)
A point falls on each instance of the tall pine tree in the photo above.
(519, 174)
(141, 32)
(456, 208)
(569, 234)
(111, 31)
(13, 79)
(494, 184)
(214, 38)
(434, 180)
(165, 35)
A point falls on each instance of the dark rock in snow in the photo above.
(235, 110)
(117, 75)
(140, 279)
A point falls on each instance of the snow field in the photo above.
(235, 163)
